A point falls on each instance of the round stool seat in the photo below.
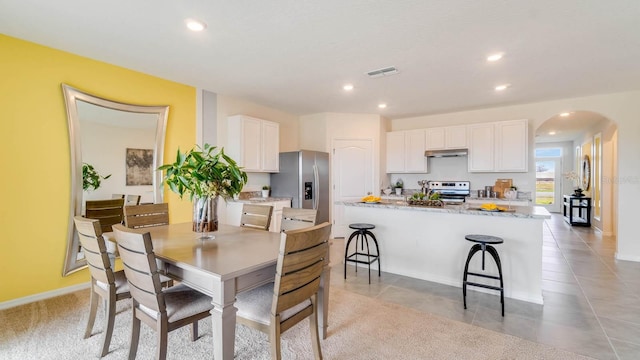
(484, 239)
(362, 226)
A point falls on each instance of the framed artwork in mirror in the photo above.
(586, 172)
(139, 167)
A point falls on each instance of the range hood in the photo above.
(446, 153)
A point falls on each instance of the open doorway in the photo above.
(548, 178)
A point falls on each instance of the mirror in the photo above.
(124, 143)
(586, 173)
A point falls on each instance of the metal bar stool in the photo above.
(363, 234)
(482, 244)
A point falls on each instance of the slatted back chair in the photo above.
(117, 196)
(163, 310)
(108, 212)
(304, 253)
(256, 216)
(139, 216)
(293, 219)
(105, 283)
(133, 200)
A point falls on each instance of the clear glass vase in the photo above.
(205, 216)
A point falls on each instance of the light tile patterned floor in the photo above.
(591, 300)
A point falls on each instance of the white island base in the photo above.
(429, 244)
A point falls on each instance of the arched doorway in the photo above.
(587, 159)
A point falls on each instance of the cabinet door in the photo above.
(395, 152)
(481, 147)
(511, 146)
(270, 146)
(414, 145)
(249, 138)
(435, 138)
(456, 137)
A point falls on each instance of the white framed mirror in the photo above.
(122, 142)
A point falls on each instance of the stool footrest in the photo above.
(372, 258)
(483, 286)
(484, 275)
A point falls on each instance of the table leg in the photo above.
(223, 317)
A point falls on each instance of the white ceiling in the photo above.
(295, 55)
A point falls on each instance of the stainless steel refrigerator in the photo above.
(304, 177)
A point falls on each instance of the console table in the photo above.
(577, 210)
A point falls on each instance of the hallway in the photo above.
(591, 301)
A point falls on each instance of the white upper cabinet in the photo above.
(254, 143)
(498, 146)
(481, 152)
(512, 146)
(449, 137)
(405, 152)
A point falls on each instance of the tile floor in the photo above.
(591, 300)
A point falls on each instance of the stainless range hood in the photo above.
(446, 153)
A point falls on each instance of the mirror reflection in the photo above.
(115, 149)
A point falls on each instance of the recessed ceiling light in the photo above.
(502, 87)
(495, 57)
(348, 87)
(195, 25)
(552, 132)
(382, 105)
(565, 114)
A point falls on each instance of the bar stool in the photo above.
(482, 244)
(363, 234)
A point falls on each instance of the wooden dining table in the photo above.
(235, 260)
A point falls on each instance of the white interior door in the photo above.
(353, 170)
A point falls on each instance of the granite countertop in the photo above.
(257, 200)
(530, 212)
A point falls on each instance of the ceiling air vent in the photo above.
(391, 70)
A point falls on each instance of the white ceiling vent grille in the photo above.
(391, 70)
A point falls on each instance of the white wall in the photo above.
(621, 108)
(105, 147)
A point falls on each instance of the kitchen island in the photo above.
(428, 242)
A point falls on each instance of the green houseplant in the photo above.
(204, 174)
(265, 191)
(91, 179)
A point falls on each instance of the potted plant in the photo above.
(205, 174)
(91, 179)
(399, 186)
(265, 191)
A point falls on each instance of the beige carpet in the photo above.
(359, 328)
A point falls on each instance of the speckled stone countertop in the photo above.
(257, 200)
(530, 212)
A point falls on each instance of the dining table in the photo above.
(222, 264)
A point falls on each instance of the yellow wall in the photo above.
(34, 144)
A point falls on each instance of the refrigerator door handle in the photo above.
(316, 180)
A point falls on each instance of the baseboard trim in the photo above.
(44, 295)
(627, 258)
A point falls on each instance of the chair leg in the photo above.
(135, 335)
(475, 248)
(111, 316)
(375, 242)
(494, 253)
(346, 251)
(93, 309)
(274, 338)
(163, 335)
(194, 330)
(313, 323)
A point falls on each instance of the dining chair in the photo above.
(293, 218)
(133, 200)
(140, 216)
(275, 307)
(109, 212)
(162, 310)
(256, 216)
(105, 283)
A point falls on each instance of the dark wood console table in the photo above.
(577, 210)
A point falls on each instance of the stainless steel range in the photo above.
(453, 192)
